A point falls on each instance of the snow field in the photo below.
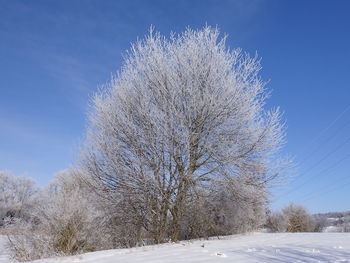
(257, 247)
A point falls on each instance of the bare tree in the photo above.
(183, 116)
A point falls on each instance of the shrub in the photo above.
(62, 223)
(277, 222)
(298, 218)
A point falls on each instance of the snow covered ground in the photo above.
(258, 247)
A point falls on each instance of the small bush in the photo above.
(62, 223)
(299, 220)
(277, 222)
(17, 199)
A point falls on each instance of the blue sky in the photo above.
(54, 55)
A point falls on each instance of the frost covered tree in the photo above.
(184, 116)
(17, 196)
